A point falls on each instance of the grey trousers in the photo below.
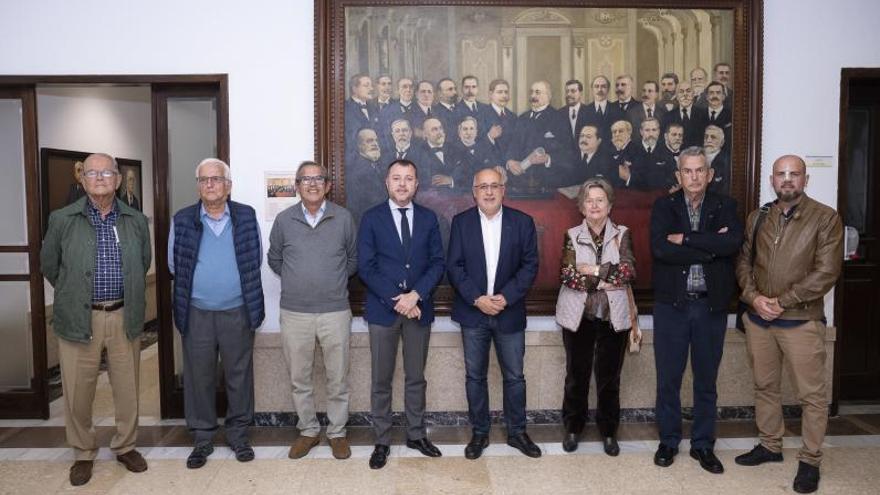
(210, 332)
(383, 353)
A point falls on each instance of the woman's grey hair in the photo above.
(214, 161)
(308, 163)
(591, 183)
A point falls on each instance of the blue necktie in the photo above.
(405, 236)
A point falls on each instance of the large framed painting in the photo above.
(61, 181)
(549, 95)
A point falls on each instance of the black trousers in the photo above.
(597, 338)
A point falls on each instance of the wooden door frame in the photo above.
(847, 76)
(171, 397)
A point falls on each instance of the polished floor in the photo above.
(35, 460)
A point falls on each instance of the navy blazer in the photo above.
(384, 269)
(715, 251)
(517, 267)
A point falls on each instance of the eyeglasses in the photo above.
(311, 179)
(211, 180)
(93, 174)
(488, 187)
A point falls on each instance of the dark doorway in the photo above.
(857, 313)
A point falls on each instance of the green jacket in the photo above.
(68, 260)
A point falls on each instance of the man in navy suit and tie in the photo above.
(400, 261)
(469, 106)
(492, 262)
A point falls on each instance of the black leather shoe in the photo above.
(524, 444)
(807, 479)
(379, 456)
(758, 455)
(199, 456)
(611, 447)
(475, 447)
(570, 442)
(424, 446)
(708, 461)
(665, 456)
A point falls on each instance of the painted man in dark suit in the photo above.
(623, 88)
(446, 108)
(400, 261)
(396, 109)
(423, 107)
(718, 114)
(650, 164)
(668, 91)
(360, 111)
(442, 167)
(722, 73)
(574, 110)
(695, 237)
(492, 262)
(470, 107)
(542, 148)
(717, 157)
(365, 170)
(692, 119)
(600, 112)
(500, 120)
(699, 80)
(477, 153)
(648, 107)
(622, 153)
(403, 147)
(383, 92)
(670, 149)
(594, 159)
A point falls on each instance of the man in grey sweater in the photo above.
(313, 248)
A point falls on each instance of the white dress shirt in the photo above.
(314, 219)
(491, 228)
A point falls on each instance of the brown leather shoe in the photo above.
(133, 461)
(340, 448)
(81, 472)
(302, 446)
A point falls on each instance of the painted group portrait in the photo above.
(549, 97)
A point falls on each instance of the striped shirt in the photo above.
(696, 281)
(107, 279)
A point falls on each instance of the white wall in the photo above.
(266, 48)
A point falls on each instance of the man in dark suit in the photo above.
(622, 153)
(718, 114)
(470, 107)
(493, 260)
(446, 108)
(423, 107)
(623, 88)
(670, 149)
(600, 112)
(383, 92)
(477, 153)
(128, 193)
(360, 111)
(499, 120)
(442, 167)
(572, 111)
(365, 168)
(400, 261)
(718, 158)
(649, 165)
(594, 159)
(668, 91)
(695, 237)
(542, 148)
(403, 147)
(699, 79)
(692, 120)
(649, 107)
(397, 108)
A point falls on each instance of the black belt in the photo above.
(693, 296)
(113, 306)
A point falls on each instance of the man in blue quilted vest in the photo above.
(215, 253)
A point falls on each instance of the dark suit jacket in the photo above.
(625, 108)
(366, 182)
(387, 115)
(508, 123)
(600, 165)
(721, 180)
(671, 159)
(546, 129)
(355, 120)
(417, 117)
(387, 271)
(693, 128)
(454, 164)
(603, 121)
(516, 271)
(479, 156)
(449, 118)
(462, 111)
(636, 114)
(650, 170)
(618, 157)
(716, 252)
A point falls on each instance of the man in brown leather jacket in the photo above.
(797, 260)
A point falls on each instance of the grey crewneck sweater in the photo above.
(314, 263)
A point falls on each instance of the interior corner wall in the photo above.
(266, 48)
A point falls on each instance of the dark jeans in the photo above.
(692, 327)
(510, 348)
(593, 336)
